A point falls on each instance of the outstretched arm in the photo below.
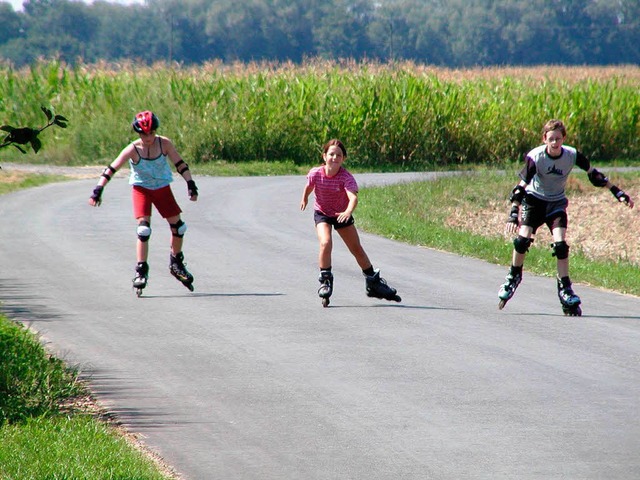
(353, 203)
(516, 197)
(110, 170)
(182, 168)
(305, 196)
(598, 179)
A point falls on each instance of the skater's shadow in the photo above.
(394, 305)
(561, 315)
(201, 294)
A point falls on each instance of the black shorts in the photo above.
(320, 217)
(536, 212)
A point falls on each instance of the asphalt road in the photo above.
(250, 378)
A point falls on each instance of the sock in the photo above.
(516, 270)
(369, 271)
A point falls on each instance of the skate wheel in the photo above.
(138, 292)
(325, 302)
(573, 312)
(190, 287)
(501, 304)
(397, 298)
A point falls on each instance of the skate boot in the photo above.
(140, 280)
(377, 287)
(508, 288)
(568, 299)
(326, 286)
(178, 270)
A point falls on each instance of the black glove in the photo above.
(513, 215)
(192, 189)
(620, 195)
(97, 194)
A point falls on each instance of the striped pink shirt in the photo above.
(331, 192)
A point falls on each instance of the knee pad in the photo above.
(521, 244)
(178, 228)
(144, 231)
(560, 250)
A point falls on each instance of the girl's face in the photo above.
(333, 156)
(147, 138)
(554, 140)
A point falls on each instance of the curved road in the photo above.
(250, 378)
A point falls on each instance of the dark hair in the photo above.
(334, 142)
(552, 125)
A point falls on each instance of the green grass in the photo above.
(76, 447)
(415, 213)
(399, 115)
(40, 438)
(29, 181)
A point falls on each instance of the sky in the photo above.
(17, 4)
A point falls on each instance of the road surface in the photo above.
(250, 378)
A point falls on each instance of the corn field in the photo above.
(391, 116)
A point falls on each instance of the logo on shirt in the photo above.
(552, 170)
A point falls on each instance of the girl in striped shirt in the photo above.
(336, 197)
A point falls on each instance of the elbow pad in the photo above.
(597, 178)
(517, 194)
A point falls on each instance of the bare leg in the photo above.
(352, 240)
(559, 235)
(326, 244)
(142, 248)
(176, 242)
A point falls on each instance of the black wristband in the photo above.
(97, 193)
(191, 186)
(513, 214)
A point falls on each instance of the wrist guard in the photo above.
(192, 189)
(597, 178)
(97, 194)
(619, 194)
(513, 215)
(517, 194)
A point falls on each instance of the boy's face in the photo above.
(554, 140)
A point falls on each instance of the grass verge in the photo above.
(43, 433)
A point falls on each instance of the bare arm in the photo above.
(305, 196)
(110, 170)
(182, 168)
(353, 203)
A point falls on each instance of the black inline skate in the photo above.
(326, 286)
(377, 287)
(568, 299)
(178, 270)
(508, 288)
(142, 275)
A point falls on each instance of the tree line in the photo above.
(449, 33)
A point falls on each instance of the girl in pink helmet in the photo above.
(150, 178)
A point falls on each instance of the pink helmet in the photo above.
(145, 122)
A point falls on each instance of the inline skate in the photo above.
(326, 286)
(141, 278)
(508, 288)
(568, 299)
(178, 270)
(377, 287)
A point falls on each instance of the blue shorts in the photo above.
(320, 217)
